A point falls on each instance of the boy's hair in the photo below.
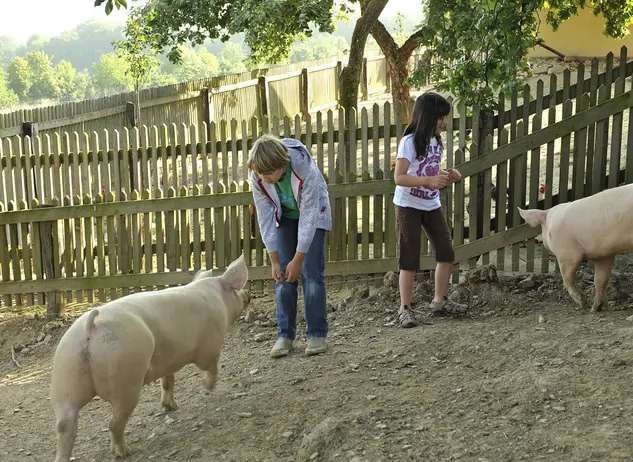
(428, 109)
(268, 155)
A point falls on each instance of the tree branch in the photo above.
(415, 40)
(384, 39)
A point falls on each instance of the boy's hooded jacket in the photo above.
(310, 192)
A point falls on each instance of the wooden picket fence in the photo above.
(162, 202)
(300, 88)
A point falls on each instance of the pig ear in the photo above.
(198, 275)
(236, 275)
(203, 274)
(533, 217)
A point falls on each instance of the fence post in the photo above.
(388, 76)
(206, 110)
(305, 93)
(365, 81)
(30, 129)
(263, 94)
(54, 300)
(130, 110)
(339, 69)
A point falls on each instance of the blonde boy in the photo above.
(293, 211)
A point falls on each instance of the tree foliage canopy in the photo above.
(270, 26)
(477, 49)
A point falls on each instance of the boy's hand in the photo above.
(278, 275)
(293, 270)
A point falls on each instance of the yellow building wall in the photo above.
(580, 37)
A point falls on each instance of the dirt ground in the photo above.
(524, 376)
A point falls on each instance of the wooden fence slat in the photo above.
(580, 154)
(616, 139)
(100, 244)
(489, 144)
(599, 170)
(535, 171)
(111, 243)
(516, 192)
(501, 202)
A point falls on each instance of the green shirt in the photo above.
(286, 197)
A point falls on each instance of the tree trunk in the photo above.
(398, 62)
(350, 76)
(400, 93)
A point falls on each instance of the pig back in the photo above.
(601, 224)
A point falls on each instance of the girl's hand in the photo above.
(439, 181)
(454, 175)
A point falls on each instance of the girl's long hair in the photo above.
(429, 108)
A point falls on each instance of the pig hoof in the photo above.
(120, 450)
(209, 384)
(170, 405)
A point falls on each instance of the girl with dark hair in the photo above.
(418, 179)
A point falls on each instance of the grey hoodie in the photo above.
(310, 192)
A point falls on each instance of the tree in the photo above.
(72, 85)
(232, 59)
(8, 98)
(44, 82)
(317, 47)
(20, 77)
(194, 65)
(8, 48)
(139, 53)
(109, 75)
(33, 77)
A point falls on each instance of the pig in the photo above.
(115, 350)
(595, 228)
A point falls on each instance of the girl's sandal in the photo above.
(448, 308)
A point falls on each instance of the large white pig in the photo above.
(114, 350)
(595, 228)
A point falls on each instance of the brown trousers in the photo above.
(409, 225)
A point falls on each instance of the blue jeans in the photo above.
(312, 281)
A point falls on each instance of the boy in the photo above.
(293, 210)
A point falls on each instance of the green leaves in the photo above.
(110, 4)
(480, 47)
(138, 50)
(270, 26)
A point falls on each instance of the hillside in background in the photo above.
(81, 63)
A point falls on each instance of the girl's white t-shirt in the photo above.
(420, 197)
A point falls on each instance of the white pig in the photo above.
(114, 350)
(595, 228)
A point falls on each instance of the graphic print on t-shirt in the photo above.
(430, 166)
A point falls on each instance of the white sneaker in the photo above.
(316, 345)
(281, 348)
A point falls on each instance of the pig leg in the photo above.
(167, 394)
(602, 268)
(212, 373)
(67, 422)
(122, 407)
(71, 390)
(568, 268)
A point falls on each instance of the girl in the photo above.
(418, 179)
